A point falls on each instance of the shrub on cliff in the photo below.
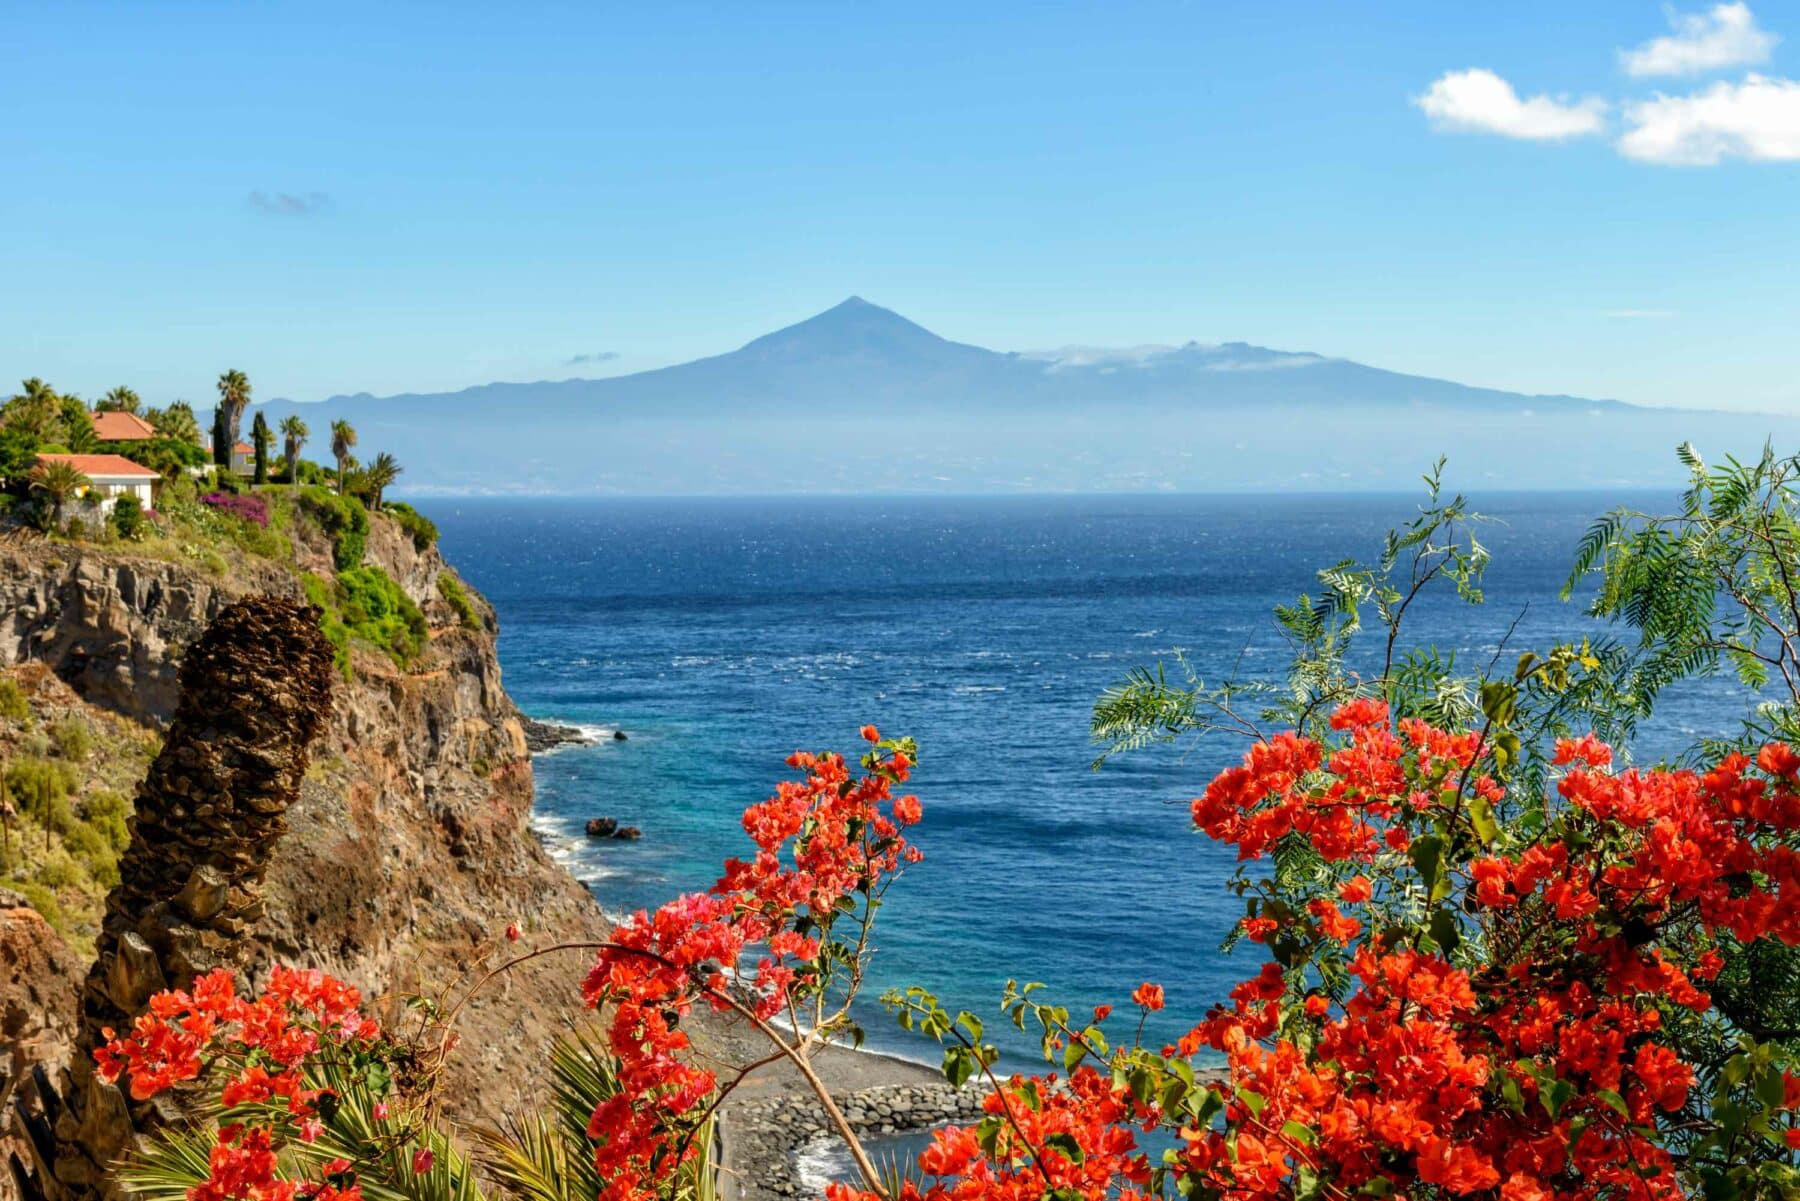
(375, 609)
(127, 517)
(420, 528)
(245, 506)
(365, 603)
(344, 520)
(457, 597)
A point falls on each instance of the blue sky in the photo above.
(390, 197)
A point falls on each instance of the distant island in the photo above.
(858, 399)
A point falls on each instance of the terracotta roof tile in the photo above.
(122, 427)
(92, 465)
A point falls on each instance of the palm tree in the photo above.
(234, 395)
(59, 481)
(381, 472)
(343, 437)
(177, 421)
(119, 400)
(77, 426)
(294, 435)
(36, 410)
(262, 438)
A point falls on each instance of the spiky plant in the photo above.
(547, 1156)
(58, 481)
(381, 1148)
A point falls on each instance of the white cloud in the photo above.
(1757, 119)
(1725, 36)
(1479, 101)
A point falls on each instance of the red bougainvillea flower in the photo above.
(820, 843)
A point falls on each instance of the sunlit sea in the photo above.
(721, 635)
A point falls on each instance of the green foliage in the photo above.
(73, 738)
(420, 528)
(344, 520)
(168, 457)
(457, 597)
(321, 593)
(1713, 587)
(19, 448)
(127, 517)
(13, 705)
(41, 790)
(366, 604)
(261, 438)
(376, 610)
(176, 1160)
(177, 423)
(548, 1156)
(78, 427)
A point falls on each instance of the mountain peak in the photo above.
(851, 328)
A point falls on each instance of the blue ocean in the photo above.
(721, 635)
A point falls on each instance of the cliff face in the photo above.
(409, 851)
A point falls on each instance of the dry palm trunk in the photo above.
(255, 691)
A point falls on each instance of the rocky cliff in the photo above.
(409, 851)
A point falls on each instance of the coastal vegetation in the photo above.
(1491, 957)
(65, 773)
(220, 519)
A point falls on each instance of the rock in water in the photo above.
(628, 832)
(618, 736)
(602, 827)
(543, 736)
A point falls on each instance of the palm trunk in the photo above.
(190, 884)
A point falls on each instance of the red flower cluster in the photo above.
(820, 842)
(267, 1044)
(1511, 989)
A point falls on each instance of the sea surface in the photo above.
(721, 635)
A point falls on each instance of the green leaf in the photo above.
(1064, 1144)
(1445, 930)
(1427, 853)
(1481, 816)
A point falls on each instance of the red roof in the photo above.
(122, 427)
(242, 448)
(102, 465)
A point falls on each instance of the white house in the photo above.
(109, 477)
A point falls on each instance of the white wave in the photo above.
(965, 689)
(820, 1161)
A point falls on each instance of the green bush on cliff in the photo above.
(322, 594)
(420, 528)
(73, 739)
(344, 521)
(376, 609)
(13, 705)
(457, 597)
(365, 603)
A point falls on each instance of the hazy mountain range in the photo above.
(859, 399)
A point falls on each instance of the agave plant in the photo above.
(547, 1156)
